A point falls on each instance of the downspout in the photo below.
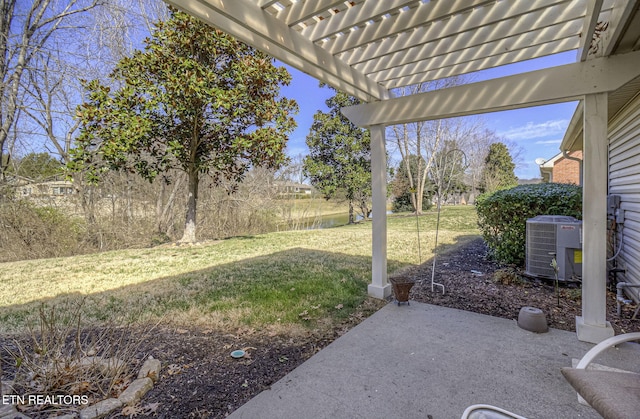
(566, 155)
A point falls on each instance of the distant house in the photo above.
(533, 181)
(562, 168)
(50, 189)
(290, 188)
(16, 180)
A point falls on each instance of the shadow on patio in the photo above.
(426, 361)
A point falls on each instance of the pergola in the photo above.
(368, 48)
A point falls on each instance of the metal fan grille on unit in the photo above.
(541, 244)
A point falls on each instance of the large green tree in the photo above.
(195, 99)
(339, 160)
(498, 172)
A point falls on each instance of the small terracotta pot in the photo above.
(401, 287)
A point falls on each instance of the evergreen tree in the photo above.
(196, 100)
(498, 172)
(339, 160)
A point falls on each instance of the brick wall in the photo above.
(567, 171)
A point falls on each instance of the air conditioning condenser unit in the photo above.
(550, 236)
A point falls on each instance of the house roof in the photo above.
(368, 48)
(551, 162)
(616, 101)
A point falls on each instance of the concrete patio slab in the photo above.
(425, 361)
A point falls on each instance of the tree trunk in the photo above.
(129, 213)
(351, 217)
(86, 194)
(164, 210)
(418, 202)
(365, 209)
(87, 199)
(189, 235)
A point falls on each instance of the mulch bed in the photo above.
(475, 283)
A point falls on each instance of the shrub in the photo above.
(507, 276)
(402, 202)
(61, 355)
(502, 215)
(31, 232)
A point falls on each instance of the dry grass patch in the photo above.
(284, 278)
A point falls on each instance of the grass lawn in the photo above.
(284, 281)
(312, 207)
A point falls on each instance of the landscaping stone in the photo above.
(100, 409)
(136, 390)
(148, 374)
(105, 364)
(151, 369)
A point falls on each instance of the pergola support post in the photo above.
(592, 326)
(379, 287)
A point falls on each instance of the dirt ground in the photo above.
(199, 378)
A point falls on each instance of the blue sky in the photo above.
(537, 131)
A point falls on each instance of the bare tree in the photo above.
(121, 27)
(419, 139)
(49, 104)
(422, 139)
(450, 163)
(26, 29)
(166, 200)
(293, 170)
(233, 208)
(85, 46)
(476, 147)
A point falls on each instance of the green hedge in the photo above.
(502, 215)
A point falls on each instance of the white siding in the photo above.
(624, 180)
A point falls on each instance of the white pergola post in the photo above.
(592, 326)
(379, 287)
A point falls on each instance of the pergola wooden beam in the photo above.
(543, 87)
(249, 23)
(528, 40)
(405, 22)
(360, 14)
(589, 28)
(299, 12)
(395, 52)
(447, 18)
(619, 17)
(484, 63)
